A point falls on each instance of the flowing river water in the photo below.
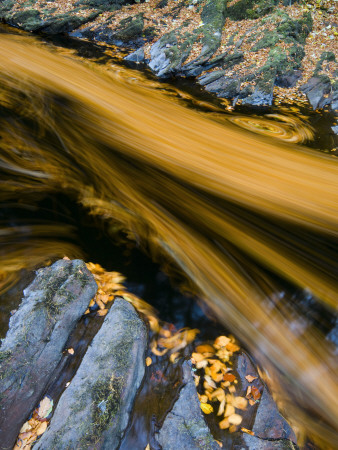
(249, 220)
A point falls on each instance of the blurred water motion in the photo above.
(236, 212)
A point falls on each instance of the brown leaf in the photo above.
(255, 393)
(102, 312)
(229, 377)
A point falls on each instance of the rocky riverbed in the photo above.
(93, 409)
(249, 52)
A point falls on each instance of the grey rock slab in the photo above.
(93, 412)
(315, 89)
(184, 427)
(137, 56)
(38, 332)
(268, 421)
(248, 442)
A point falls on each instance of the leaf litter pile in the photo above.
(211, 363)
(217, 384)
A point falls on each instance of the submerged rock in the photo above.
(38, 332)
(184, 427)
(94, 410)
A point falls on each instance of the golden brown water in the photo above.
(228, 207)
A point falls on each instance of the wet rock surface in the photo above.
(38, 332)
(266, 422)
(251, 47)
(184, 426)
(93, 412)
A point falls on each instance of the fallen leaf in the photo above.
(25, 427)
(198, 357)
(45, 407)
(221, 341)
(232, 347)
(102, 312)
(206, 408)
(245, 430)
(255, 393)
(229, 410)
(41, 428)
(148, 361)
(224, 424)
(173, 357)
(240, 403)
(71, 351)
(250, 378)
(205, 349)
(235, 419)
(229, 377)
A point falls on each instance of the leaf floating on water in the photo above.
(206, 408)
(45, 407)
(148, 361)
(235, 419)
(224, 424)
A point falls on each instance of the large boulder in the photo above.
(93, 412)
(38, 332)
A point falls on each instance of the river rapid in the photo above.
(247, 219)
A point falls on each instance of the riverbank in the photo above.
(251, 53)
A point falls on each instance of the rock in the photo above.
(316, 90)
(248, 442)
(137, 56)
(94, 410)
(184, 427)
(129, 32)
(268, 423)
(38, 332)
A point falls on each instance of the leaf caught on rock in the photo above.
(206, 408)
(45, 407)
(250, 378)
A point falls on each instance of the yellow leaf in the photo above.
(206, 408)
(41, 428)
(148, 361)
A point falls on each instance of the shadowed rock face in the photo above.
(38, 331)
(184, 427)
(94, 410)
